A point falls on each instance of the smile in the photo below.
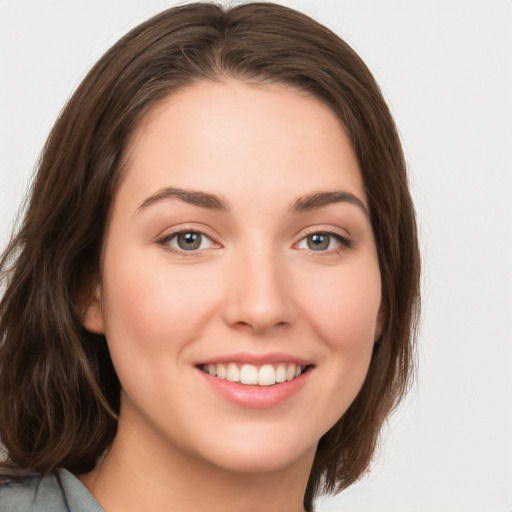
(253, 375)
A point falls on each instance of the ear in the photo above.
(93, 318)
(379, 325)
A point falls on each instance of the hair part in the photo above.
(59, 393)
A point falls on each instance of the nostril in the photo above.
(258, 327)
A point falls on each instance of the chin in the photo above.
(260, 453)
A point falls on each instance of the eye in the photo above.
(323, 242)
(187, 241)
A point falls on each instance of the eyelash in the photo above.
(344, 242)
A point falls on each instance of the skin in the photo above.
(254, 286)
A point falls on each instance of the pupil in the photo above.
(189, 241)
(318, 242)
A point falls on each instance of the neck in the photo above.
(147, 474)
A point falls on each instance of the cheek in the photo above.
(344, 306)
(157, 306)
(342, 309)
(344, 318)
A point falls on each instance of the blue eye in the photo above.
(188, 241)
(322, 242)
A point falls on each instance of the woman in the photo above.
(211, 300)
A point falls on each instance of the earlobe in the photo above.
(379, 325)
(93, 318)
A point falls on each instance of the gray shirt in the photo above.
(55, 492)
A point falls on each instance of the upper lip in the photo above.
(256, 359)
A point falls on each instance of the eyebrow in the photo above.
(320, 199)
(195, 197)
(214, 202)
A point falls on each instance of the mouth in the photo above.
(255, 375)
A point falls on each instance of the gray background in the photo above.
(445, 68)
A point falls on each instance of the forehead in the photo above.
(231, 137)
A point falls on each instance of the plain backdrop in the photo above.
(445, 68)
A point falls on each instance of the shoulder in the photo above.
(32, 493)
(55, 492)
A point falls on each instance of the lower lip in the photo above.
(256, 397)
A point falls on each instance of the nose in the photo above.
(259, 294)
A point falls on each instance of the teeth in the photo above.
(251, 375)
(267, 375)
(281, 373)
(221, 371)
(233, 373)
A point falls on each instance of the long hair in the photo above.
(59, 393)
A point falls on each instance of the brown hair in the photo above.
(59, 393)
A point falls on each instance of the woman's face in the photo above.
(239, 248)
